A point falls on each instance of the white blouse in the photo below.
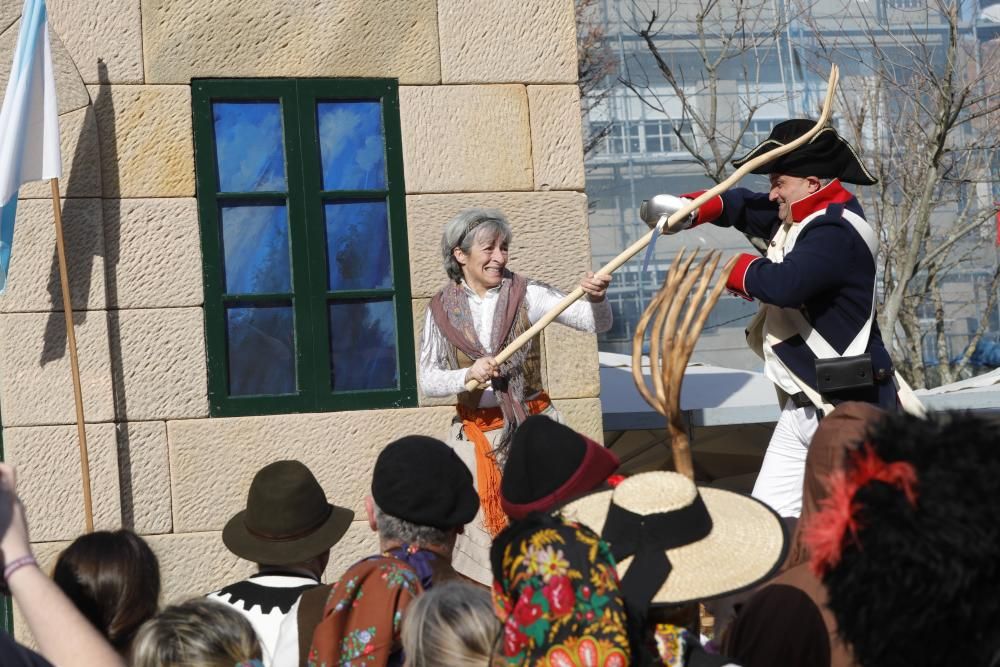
(437, 379)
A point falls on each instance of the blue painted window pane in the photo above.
(255, 248)
(249, 149)
(351, 145)
(357, 245)
(363, 345)
(261, 349)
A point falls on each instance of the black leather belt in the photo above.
(801, 400)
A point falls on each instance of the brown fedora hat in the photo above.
(287, 518)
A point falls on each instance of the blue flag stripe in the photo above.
(7, 214)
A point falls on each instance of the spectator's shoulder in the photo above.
(13, 654)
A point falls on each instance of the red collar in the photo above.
(831, 193)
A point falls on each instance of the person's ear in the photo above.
(370, 512)
(459, 255)
(814, 184)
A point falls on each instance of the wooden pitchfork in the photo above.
(673, 221)
(672, 339)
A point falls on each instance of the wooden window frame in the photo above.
(307, 244)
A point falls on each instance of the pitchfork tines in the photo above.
(672, 339)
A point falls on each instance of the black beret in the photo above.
(422, 480)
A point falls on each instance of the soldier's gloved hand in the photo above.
(651, 210)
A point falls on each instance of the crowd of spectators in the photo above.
(894, 561)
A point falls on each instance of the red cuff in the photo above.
(736, 283)
(707, 212)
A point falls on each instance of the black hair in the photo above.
(917, 573)
(113, 578)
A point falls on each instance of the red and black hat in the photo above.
(550, 464)
(909, 534)
(826, 155)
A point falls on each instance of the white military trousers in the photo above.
(779, 483)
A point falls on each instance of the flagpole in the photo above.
(88, 508)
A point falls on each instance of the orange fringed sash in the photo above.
(477, 423)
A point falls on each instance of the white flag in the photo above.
(29, 122)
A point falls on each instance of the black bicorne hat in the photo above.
(826, 155)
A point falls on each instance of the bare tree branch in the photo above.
(921, 104)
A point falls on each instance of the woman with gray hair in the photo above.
(481, 309)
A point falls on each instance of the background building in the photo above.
(248, 259)
(691, 93)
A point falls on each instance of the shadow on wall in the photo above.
(81, 255)
(80, 251)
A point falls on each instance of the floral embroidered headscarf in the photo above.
(363, 615)
(556, 593)
(669, 643)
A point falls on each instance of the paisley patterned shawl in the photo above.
(363, 615)
(453, 316)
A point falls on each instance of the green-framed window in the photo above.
(6, 615)
(303, 227)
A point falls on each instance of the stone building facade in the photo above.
(489, 116)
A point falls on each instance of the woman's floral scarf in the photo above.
(669, 644)
(363, 614)
(556, 593)
(453, 317)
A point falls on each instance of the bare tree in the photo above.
(702, 69)
(596, 66)
(920, 101)
(712, 105)
(923, 110)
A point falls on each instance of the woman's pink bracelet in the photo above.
(17, 564)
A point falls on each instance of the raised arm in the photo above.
(748, 211)
(815, 265)
(584, 315)
(64, 636)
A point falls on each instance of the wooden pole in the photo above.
(676, 218)
(74, 362)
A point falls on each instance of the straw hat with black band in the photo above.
(675, 543)
(287, 518)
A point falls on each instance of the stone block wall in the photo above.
(490, 116)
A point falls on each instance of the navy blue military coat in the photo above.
(829, 274)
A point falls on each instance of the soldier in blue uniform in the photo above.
(816, 328)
